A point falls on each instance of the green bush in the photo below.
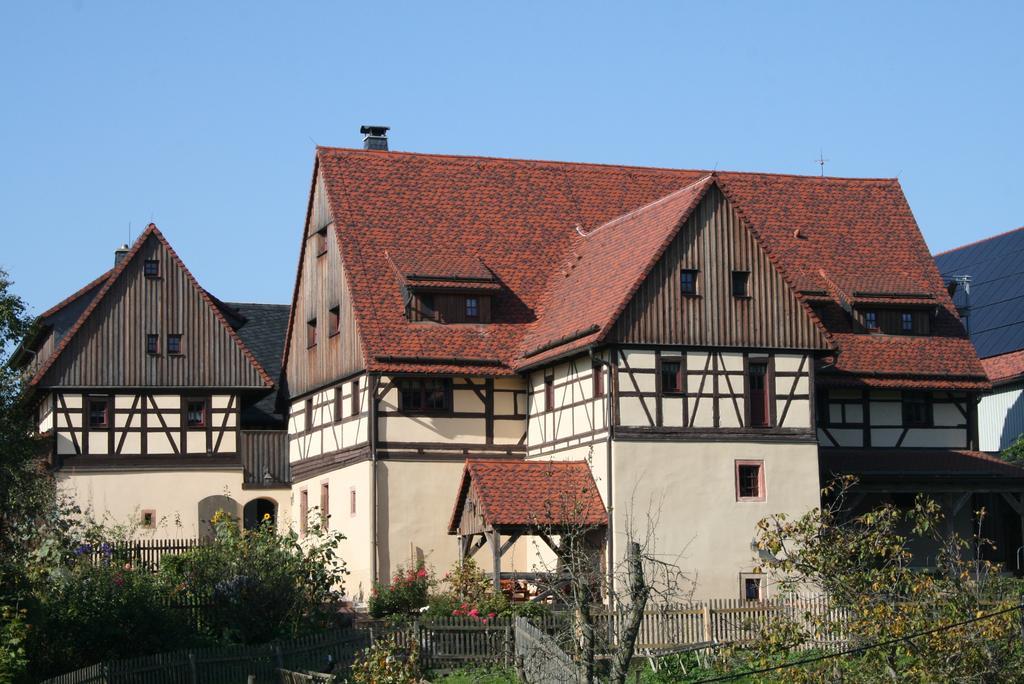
(99, 612)
(258, 585)
(406, 593)
(385, 663)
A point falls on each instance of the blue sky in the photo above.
(203, 116)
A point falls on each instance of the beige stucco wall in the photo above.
(357, 548)
(690, 488)
(415, 505)
(176, 497)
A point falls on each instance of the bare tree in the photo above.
(579, 578)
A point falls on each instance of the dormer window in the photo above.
(472, 308)
(906, 322)
(871, 320)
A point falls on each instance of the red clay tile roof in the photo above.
(151, 230)
(525, 219)
(1005, 367)
(868, 463)
(531, 494)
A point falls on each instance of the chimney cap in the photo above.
(374, 130)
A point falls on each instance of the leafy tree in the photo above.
(863, 564)
(258, 585)
(27, 492)
(1015, 452)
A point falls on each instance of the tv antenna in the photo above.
(821, 161)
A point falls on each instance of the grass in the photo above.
(479, 675)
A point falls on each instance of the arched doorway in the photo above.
(255, 510)
(209, 506)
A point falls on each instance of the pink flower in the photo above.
(492, 615)
(484, 621)
(456, 612)
(421, 573)
(474, 613)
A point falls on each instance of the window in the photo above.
(472, 307)
(688, 281)
(917, 410)
(308, 412)
(427, 310)
(752, 587)
(750, 481)
(311, 333)
(671, 376)
(549, 392)
(174, 344)
(842, 407)
(334, 321)
(98, 414)
(758, 394)
(352, 501)
(325, 505)
(907, 322)
(355, 397)
(321, 242)
(871, 320)
(337, 404)
(740, 279)
(427, 395)
(303, 512)
(147, 519)
(152, 344)
(151, 268)
(598, 380)
(195, 413)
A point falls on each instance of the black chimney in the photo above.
(375, 137)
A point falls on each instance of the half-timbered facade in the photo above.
(712, 346)
(697, 338)
(156, 409)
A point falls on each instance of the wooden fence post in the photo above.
(706, 619)
(193, 670)
(278, 656)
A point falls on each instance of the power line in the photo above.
(860, 649)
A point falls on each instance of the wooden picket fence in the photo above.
(141, 553)
(450, 643)
(227, 663)
(539, 660)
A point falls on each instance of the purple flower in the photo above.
(106, 549)
(83, 549)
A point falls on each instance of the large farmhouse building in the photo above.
(709, 346)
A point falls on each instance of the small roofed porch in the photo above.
(500, 502)
(964, 483)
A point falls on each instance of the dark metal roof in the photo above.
(262, 329)
(995, 320)
(909, 464)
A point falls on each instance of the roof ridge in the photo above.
(978, 242)
(650, 205)
(597, 165)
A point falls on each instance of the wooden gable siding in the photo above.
(109, 350)
(321, 287)
(715, 242)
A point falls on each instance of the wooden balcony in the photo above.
(265, 459)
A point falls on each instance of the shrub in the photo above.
(99, 612)
(258, 585)
(406, 593)
(385, 663)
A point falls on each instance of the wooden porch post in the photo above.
(494, 538)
